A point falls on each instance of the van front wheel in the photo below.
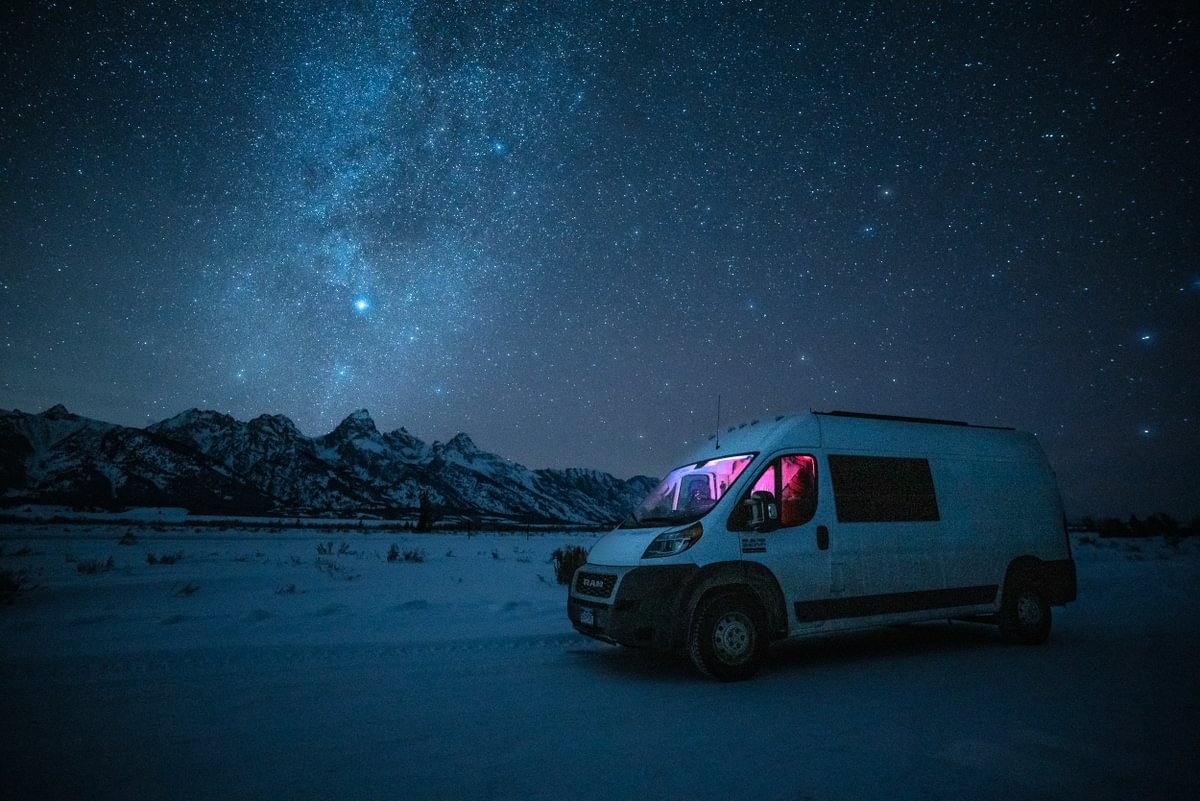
(726, 642)
(1025, 616)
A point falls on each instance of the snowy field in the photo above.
(248, 665)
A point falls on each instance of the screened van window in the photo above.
(882, 489)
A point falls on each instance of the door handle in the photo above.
(822, 538)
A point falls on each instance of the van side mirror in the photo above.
(762, 511)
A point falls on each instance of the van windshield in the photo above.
(688, 492)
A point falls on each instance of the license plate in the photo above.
(587, 617)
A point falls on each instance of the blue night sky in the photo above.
(567, 228)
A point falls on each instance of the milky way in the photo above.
(568, 228)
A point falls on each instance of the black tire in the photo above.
(1025, 616)
(728, 641)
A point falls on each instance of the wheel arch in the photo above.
(1023, 570)
(747, 578)
(1024, 616)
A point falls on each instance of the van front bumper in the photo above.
(635, 606)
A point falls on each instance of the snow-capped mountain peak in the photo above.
(274, 424)
(356, 426)
(58, 412)
(460, 447)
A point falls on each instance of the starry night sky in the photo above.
(566, 228)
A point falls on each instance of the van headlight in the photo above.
(670, 543)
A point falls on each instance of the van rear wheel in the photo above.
(1025, 616)
(726, 641)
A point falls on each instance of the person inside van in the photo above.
(798, 501)
(699, 495)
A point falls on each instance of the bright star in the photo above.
(362, 305)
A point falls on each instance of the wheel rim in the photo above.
(1029, 612)
(733, 638)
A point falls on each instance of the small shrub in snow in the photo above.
(394, 554)
(128, 538)
(165, 559)
(331, 568)
(186, 590)
(91, 567)
(566, 560)
(324, 548)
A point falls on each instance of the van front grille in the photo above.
(596, 585)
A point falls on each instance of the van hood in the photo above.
(624, 546)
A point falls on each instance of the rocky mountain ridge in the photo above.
(212, 463)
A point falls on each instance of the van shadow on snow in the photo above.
(618, 661)
(843, 649)
(835, 650)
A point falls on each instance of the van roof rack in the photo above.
(900, 419)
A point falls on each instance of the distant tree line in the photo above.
(1156, 525)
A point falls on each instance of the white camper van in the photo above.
(824, 522)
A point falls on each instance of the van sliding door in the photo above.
(886, 541)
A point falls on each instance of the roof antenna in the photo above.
(718, 421)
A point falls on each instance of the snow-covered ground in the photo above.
(256, 667)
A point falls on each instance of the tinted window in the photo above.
(879, 489)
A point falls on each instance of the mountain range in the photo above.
(211, 463)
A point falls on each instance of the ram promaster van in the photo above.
(827, 522)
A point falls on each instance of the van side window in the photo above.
(882, 489)
(798, 498)
(791, 482)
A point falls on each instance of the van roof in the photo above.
(859, 432)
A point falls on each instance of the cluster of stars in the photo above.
(566, 229)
